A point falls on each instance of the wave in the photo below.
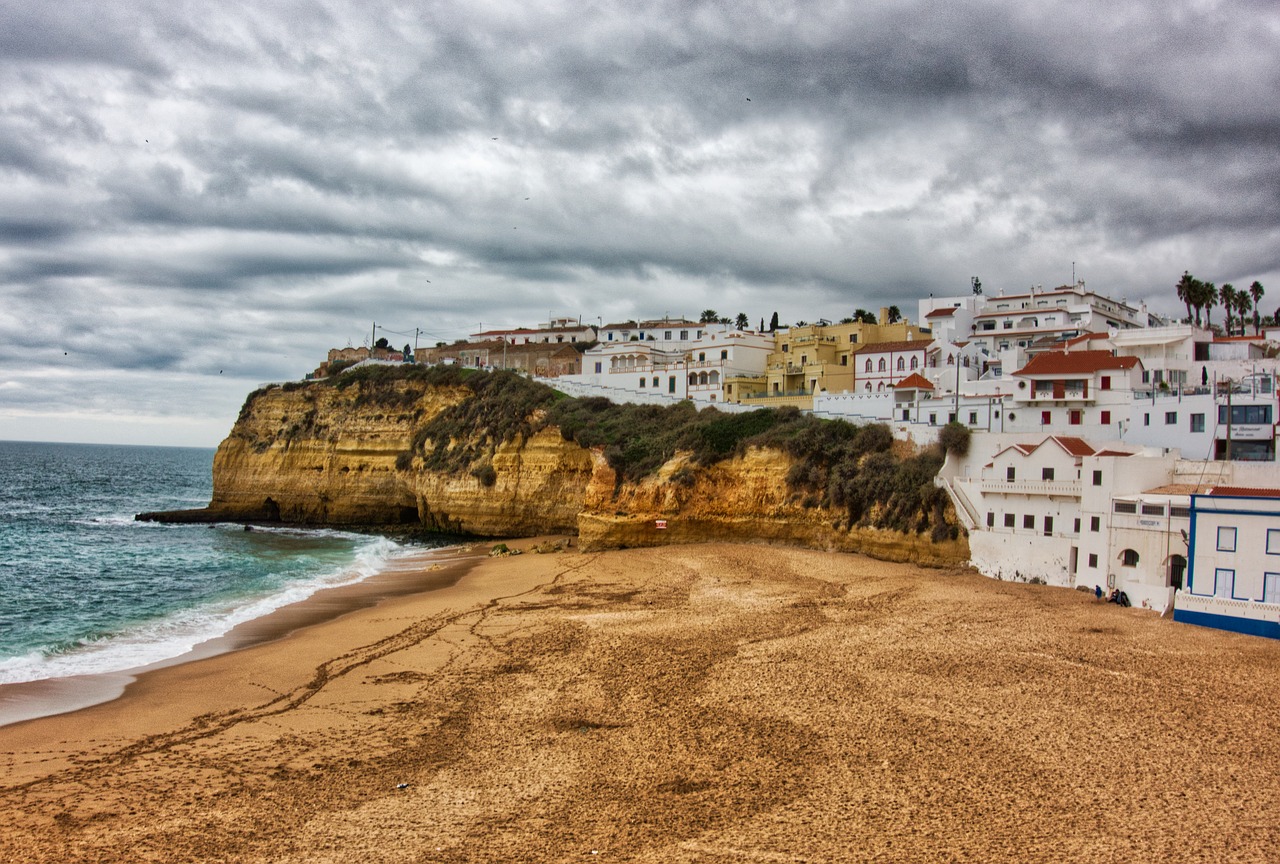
(177, 633)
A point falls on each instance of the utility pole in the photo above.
(373, 337)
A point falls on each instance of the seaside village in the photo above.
(1111, 450)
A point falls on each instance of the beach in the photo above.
(714, 702)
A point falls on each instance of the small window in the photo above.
(1224, 582)
(1077, 528)
(1105, 417)
(1046, 473)
(1075, 416)
(991, 519)
(667, 336)
(1048, 526)
(1125, 507)
(642, 383)
(1010, 473)
(1197, 422)
(655, 380)
(1046, 418)
(1273, 541)
(1093, 560)
(684, 334)
(1095, 524)
(973, 418)
(1180, 512)
(724, 355)
(1146, 419)
(1226, 539)
(1106, 383)
(1171, 418)
(1029, 522)
(1152, 509)
(1129, 558)
(1008, 520)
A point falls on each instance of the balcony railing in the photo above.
(1069, 488)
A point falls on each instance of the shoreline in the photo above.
(419, 570)
(726, 702)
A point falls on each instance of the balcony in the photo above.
(1053, 488)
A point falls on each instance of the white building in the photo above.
(1234, 577)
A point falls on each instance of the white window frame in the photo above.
(1222, 577)
(1270, 588)
(1226, 534)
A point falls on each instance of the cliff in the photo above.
(358, 456)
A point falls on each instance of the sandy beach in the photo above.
(711, 703)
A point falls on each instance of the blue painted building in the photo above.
(1233, 580)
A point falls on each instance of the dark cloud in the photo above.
(186, 193)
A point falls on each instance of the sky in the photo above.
(197, 197)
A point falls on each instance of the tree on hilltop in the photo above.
(742, 323)
(1186, 291)
(1256, 292)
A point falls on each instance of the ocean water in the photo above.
(84, 589)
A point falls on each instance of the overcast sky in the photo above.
(198, 197)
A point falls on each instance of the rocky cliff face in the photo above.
(321, 455)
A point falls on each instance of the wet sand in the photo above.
(699, 703)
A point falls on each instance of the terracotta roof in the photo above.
(1075, 362)
(942, 313)
(1179, 489)
(879, 347)
(1244, 492)
(1245, 338)
(1073, 446)
(1085, 337)
(913, 381)
(1112, 453)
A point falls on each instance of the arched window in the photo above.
(868, 369)
(714, 378)
(868, 386)
(702, 378)
(915, 362)
(880, 387)
(951, 359)
(693, 379)
(882, 365)
(902, 363)
(1129, 558)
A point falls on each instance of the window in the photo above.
(1226, 539)
(702, 357)
(1197, 422)
(902, 364)
(1046, 417)
(1125, 507)
(868, 365)
(1010, 473)
(991, 519)
(1093, 560)
(915, 362)
(1105, 417)
(1273, 541)
(1029, 522)
(1008, 520)
(1097, 478)
(671, 384)
(1270, 588)
(642, 383)
(880, 367)
(684, 334)
(1074, 417)
(1076, 530)
(973, 418)
(1129, 558)
(655, 381)
(599, 366)
(1105, 383)
(724, 355)
(667, 336)
(1180, 512)
(1048, 526)
(1046, 473)
(1224, 582)
(844, 360)
(1171, 418)
(1146, 419)
(933, 418)
(1249, 415)
(1095, 523)
(1152, 509)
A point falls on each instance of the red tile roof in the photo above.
(1086, 337)
(1244, 492)
(942, 313)
(1075, 362)
(1074, 446)
(1112, 453)
(914, 381)
(882, 347)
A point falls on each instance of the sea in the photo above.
(86, 590)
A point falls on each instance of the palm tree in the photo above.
(1244, 305)
(1186, 288)
(1227, 294)
(1256, 292)
(742, 323)
(1209, 299)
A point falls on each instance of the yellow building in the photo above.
(816, 358)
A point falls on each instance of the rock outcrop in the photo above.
(347, 457)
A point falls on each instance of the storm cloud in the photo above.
(197, 198)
